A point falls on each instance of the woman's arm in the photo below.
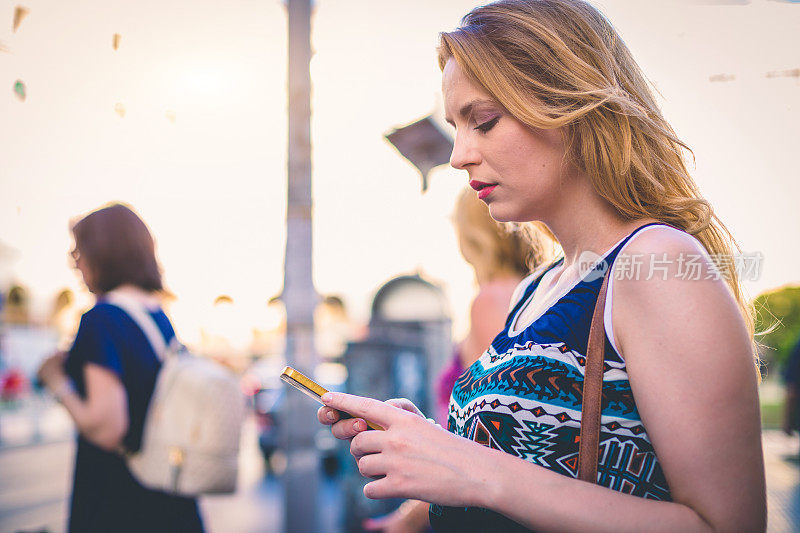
(102, 418)
(691, 368)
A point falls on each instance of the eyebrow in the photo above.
(466, 109)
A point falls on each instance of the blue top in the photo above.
(105, 496)
(524, 396)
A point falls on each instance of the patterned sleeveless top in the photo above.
(524, 395)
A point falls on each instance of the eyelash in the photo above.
(486, 126)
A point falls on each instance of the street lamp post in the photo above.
(301, 479)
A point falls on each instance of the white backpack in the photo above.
(190, 442)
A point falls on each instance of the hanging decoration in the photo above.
(115, 41)
(171, 115)
(119, 108)
(20, 13)
(19, 90)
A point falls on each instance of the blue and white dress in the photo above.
(523, 396)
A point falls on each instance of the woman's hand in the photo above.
(51, 373)
(350, 427)
(412, 458)
(410, 517)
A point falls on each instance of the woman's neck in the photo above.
(591, 224)
(132, 291)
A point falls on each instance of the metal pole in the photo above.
(301, 479)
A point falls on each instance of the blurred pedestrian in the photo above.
(64, 317)
(106, 379)
(617, 397)
(791, 377)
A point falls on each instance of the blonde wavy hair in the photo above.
(560, 63)
(494, 247)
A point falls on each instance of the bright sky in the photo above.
(212, 184)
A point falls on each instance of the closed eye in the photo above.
(489, 124)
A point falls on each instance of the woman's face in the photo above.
(82, 266)
(516, 170)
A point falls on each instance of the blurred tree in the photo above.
(778, 315)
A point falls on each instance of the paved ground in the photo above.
(34, 483)
(783, 482)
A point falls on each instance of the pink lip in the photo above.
(484, 189)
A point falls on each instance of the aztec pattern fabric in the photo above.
(524, 395)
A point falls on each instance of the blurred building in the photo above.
(408, 343)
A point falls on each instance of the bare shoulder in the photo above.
(664, 239)
(498, 292)
(666, 283)
(662, 257)
(492, 301)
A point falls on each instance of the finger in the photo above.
(366, 408)
(367, 442)
(406, 405)
(347, 429)
(372, 465)
(380, 489)
(327, 416)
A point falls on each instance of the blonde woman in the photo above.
(554, 122)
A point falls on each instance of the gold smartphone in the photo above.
(312, 389)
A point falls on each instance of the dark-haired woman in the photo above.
(106, 379)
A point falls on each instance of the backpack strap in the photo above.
(592, 407)
(138, 313)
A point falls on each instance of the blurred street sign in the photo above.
(424, 144)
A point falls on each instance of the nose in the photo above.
(464, 152)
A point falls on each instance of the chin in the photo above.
(501, 214)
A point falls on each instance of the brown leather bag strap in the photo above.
(593, 391)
